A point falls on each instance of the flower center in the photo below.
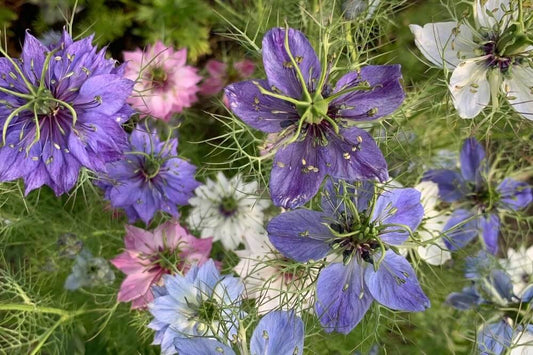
(152, 166)
(228, 206)
(167, 259)
(208, 311)
(158, 76)
(495, 59)
(355, 237)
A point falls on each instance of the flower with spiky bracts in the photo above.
(150, 178)
(61, 109)
(318, 136)
(492, 55)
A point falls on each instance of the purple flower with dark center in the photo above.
(360, 226)
(150, 178)
(479, 201)
(315, 121)
(61, 108)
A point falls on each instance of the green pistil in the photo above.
(151, 167)
(208, 311)
(158, 76)
(168, 259)
(228, 206)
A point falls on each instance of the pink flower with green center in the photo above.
(164, 83)
(169, 249)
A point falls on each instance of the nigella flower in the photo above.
(277, 333)
(478, 201)
(150, 178)
(360, 227)
(316, 121)
(492, 55)
(227, 210)
(274, 281)
(164, 83)
(150, 255)
(61, 109)
(220, 75)
(89, 271)
(202, 303)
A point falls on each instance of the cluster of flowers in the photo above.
(62, 107)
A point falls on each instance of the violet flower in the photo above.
(150, 178)
(317, 137)
(150, 255)
(360, 226)
(479, 202)
(61, 109)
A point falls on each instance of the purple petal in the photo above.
(464, 300)
(278, 67)
(300, 234)
(514, 195)
(297, 173)
(501, 282)
(105, 94)
(452, 186)
(460, 229)
(342, 299)
(262, 112)
(395, 285)
(472, 164)
(277, 333)
(401, 207)
(384, 98)
(490, 229)
(495, 338)
(33, 57)
(354, 155)
(201, 346)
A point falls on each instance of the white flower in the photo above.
(273, 280)
(483, 58)
(435, 253)
(227, 210)
(519, 265)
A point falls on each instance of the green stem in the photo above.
(264, 91)
(10, 118)
(299, 74)
(14, 93)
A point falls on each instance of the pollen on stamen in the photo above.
(346, 155)
(304, 162)
(280, 164)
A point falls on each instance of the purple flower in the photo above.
(478, 200)
(149, 179)
(359, 226)
(61, 108)
(278, 332)
(317, 137)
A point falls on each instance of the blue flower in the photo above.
(200, 304)
(278, 333)
(149, 179)
(61, 109)
(89, 271)
(479, 201)
(318, 136)
(359, 226)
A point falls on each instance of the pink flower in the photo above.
(164, 84)
(149, 255)
(219, 76)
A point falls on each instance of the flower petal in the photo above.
(354, 155)
(342, 299)
(278, 67)
(470, 87)
(517, 88)
(494, 338)
(489, 13)
(136, 285)
(384, 98)
(460, 229)
(297, 173)
(201, 346)
(473, 164)
(262, 112)
(444, 43)
(277, 333)
(464, 300)
(514, 195)
(394, 284)
(398, 208)
(490, 229)
(451, 184)
(300, 234)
